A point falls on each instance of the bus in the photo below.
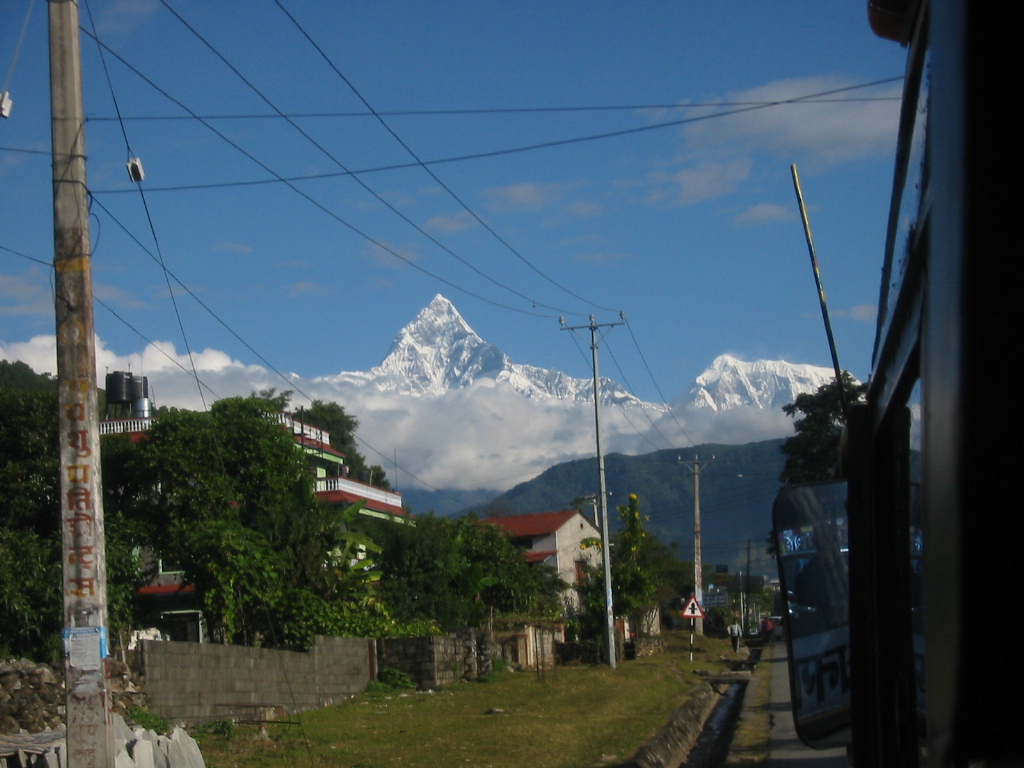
(903, 648)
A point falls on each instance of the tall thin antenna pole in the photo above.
(88, 716)
(602, 487)
(821, 291)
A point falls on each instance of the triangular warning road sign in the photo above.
(693, 609)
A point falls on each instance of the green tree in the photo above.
(227, 496)
(455, 572)
(812, 453)
(635, 576)
(644, 571)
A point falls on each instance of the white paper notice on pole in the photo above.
(85, 647)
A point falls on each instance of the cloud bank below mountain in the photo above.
(482, 436)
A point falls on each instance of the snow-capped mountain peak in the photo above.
(438, 351)
(732, 383)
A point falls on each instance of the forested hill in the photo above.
(737, 489)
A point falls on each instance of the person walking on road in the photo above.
(735, 631)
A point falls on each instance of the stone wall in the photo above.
(202, 681)
(434, 662)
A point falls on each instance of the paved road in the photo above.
(785, 749)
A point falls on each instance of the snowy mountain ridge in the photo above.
(732, 383)
(438, 352)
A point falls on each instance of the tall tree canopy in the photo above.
(456, 571)
(643, 572)
(813, 452)
(30, 579)
(224, 495)
(227, 497)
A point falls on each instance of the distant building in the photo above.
(556, 539)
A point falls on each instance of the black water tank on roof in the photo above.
(119, 388)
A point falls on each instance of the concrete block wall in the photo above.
(434, 662)
(201, 681)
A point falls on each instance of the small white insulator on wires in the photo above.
(135, 171)
(5, 104)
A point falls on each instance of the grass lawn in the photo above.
(571, 717)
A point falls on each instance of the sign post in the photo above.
(692, 611)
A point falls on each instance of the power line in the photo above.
(426, 168)
(289, 183)
(655, 382)
(509, 150)
(152, 231)
(483, 110)
(357, 179)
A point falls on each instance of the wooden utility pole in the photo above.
(88, 715)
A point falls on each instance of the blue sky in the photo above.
(692, 229)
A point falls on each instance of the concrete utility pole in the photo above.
(602, 486)
(698, 568)
(89, 717)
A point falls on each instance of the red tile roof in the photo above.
(537, 524)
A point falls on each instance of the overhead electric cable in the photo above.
(152, 230)
(484, 110)
(426, 168)
(655, 382)
(629, 388)
(17, 48)
(112, 311)
(280, 179)
(489, 153)
(356, 178)
(290, 382)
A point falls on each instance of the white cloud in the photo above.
(763, 212)
(111, 294)
(456, 222)
(384, 258)
(707, 180)
(585, 209)
(830, 130)
(523, 197)
(306, 288)
(25, 295)
(865, 313)
(231, 247)
(483, 437)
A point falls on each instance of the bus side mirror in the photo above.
(811, 546)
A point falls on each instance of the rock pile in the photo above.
(32, 695)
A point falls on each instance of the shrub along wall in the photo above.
(202, 681)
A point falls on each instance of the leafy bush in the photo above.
(391, 680)
(150, 721)
(225, 728)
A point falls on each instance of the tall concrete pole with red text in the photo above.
(89, 715)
